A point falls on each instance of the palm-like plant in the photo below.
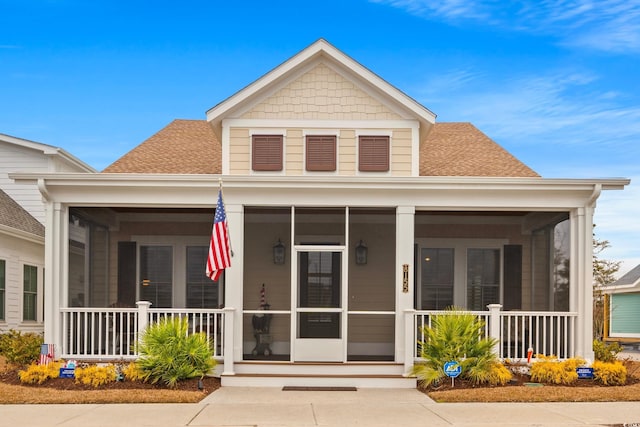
(169, 354)
(457, 336)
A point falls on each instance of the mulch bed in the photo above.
(209, 384)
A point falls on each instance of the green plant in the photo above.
(20, 348)
(96, 376)
(38, 374)
(548, 369)
(609, 373)
(169, 354)
(458, 336)
(606, 352)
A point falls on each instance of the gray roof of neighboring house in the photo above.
(630, 278)
(15, 216)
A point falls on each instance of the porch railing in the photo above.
(545, 332)
(111, 333)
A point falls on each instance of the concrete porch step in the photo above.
(318, 368)
(315, 381)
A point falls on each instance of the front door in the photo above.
(319, 314)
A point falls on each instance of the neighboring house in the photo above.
(360, 215)
(22, 215)
(623, 306)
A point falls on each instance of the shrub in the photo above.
(132, 372)
(96, 376)
(548, 369)
(169, 354)
(38, 374)
(21, 349)
(459, 336)
(606, 352)
(609, 373)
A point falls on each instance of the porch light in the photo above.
(146, 282)
(278, 253)
(361, 253)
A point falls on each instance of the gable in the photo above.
(321, 94)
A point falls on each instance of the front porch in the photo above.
(110, 334)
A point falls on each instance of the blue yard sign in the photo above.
(452, 369)
(585, 373)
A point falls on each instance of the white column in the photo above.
(51, 316)
(229, 341)
(405, 219)
(143, 315)
(581, 288)
(234, 278)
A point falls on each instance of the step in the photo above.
(315, 381)
(318, 368)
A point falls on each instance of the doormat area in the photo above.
(298, 388)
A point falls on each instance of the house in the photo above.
(622, 300)
(353, 218)
(22, 231)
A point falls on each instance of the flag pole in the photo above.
(222, 195)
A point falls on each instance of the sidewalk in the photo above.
(272, 407)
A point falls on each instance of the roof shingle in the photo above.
(460, 149)
(15, 216)
(450, 149)
(182, 147)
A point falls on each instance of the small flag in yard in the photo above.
(219, 248)
(46, 354)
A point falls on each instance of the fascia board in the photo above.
(20, 234)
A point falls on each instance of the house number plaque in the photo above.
(405, 278)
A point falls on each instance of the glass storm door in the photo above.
(319, 320)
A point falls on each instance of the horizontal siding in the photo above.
(239, 152)
(401, 152)
(16, 253)
(624, 314)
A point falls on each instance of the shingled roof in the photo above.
(460, 149)
(450, 149)
(15, 216)
(182, 147)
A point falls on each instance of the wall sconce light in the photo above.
(278, 253)
(361, 253)
(146, 282)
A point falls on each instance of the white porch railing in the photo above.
(111, 333)
(545, 332)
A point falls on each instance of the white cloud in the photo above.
(608, 25)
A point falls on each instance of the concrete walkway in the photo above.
(231, 406)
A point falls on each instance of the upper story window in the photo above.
(266, 152)
(373, 153)
(321, 153)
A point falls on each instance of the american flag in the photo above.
(219, 249)
(46, 354)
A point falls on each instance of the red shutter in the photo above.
(373, 153)
(321, 153)
(266, 152)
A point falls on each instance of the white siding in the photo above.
(16, 253)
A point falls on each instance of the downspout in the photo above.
(42, 187)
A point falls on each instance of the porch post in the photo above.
(233, 281)
(143, 315)
(583, 282)
(52, 284)
(410, 338)
(405, 237)
(228, 341)
(494, 326)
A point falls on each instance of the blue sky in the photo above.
(556, 82)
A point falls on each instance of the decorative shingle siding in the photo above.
(321, 94)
